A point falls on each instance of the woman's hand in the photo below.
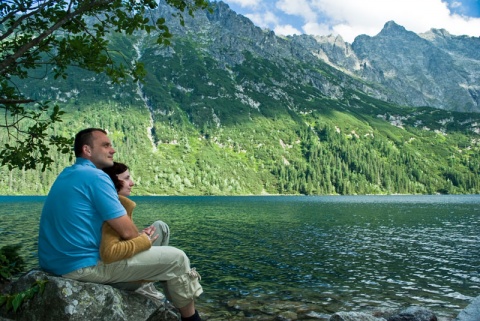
(150, 231)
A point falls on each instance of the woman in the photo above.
(180, 281)
(113, 248)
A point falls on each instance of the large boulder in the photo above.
(414, 314)
(69, 300)
(471, 312)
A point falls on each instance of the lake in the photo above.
(315, 255)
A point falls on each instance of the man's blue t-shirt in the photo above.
(80, 200)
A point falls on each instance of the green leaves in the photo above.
(51, 36)
(14, 301)
(11, 262)
(29, 130)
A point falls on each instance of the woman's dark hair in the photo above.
(84, 137)
(114, 171)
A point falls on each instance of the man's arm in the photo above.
(124, 226)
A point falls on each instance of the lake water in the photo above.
(313, 255)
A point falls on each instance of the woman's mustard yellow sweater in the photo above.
(113, 247)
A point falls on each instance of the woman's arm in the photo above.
(113, 248)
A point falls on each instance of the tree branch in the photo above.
(36, 41)
(15, 101)
(21, 18)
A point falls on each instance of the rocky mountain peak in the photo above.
(392, 28)
(436, 33)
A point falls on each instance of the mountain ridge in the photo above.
(466, 95)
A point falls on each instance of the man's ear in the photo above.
(87, 151)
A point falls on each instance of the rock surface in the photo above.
(471, 312)
(69, 300)
(354, 316)
(414, 314)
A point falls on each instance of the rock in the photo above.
(414, 314)
(287, 316)
(353, 316)
(471, 312)
(69, 300)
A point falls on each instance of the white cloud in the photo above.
(456, 4)
(299, 8)
(269, 20)
(246, 3)
(264, 20)
(286, 30)
(459, 25)
(313, 28)
(350, 18)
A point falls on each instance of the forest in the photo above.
(320, 153)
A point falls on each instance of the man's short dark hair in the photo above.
(84, 137)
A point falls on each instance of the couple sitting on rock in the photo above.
(86, 232)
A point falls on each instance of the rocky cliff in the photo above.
(434, 69)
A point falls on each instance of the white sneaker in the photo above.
(149, 290)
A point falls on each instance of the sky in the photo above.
(350, 18)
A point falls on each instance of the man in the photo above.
(81, 199)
